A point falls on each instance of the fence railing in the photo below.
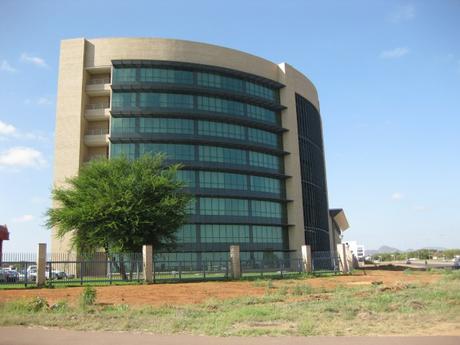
(30, 269)
(18, 269)
(191, 270)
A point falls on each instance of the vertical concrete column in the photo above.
(235, 262)
(307, 260)
(147, 258)
(342, 253)
(41, 265)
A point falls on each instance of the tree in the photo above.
(120, 205)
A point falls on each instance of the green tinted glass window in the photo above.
(220, 180)
(267, 234)
(123, 100)
(187, 177)
(165, 100)
(173, 151)
(215, 256)
(260, 91)
(124, 75)
(267, 209)
(219, 129)
(126, 150)
(222, 155)
(186, 234)
(220, 105)
(219, 81)
(263, 160)
(265, 184)
(223, 207)
(163, 75)
(123, 125)
(263, 137)
(260, 113)
(224, 233)
(163, 125)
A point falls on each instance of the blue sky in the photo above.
(387, 73)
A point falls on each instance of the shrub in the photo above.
(37, 304)
(88, 296)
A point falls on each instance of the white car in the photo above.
(456, 265)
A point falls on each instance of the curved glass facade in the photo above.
(232, 151)
(313, 173)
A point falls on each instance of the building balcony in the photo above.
(96, 137)
(97, 112)
(98, 87)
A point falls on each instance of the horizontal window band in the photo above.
(198, 91)
(198, 166)
(236, 194)
(197, 140)
(222, 246)
(200, 115)
(200, 68)
(237, 220)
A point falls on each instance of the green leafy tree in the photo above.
(120, 205)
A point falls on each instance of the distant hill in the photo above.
(382, 249)
(387, 249)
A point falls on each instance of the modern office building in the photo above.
(247, 130)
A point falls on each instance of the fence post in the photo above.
(41, 265)
(235, 260)
(342, 253)
(306, 259)
(147, 257)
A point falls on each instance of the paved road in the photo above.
(38, 336)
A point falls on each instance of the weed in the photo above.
(301, 290)
(60, 306)
(37, 304)
(88, 297)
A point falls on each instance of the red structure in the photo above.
(4, 236)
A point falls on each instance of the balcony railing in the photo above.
(96, 131)
(97, 106)
(96, 81)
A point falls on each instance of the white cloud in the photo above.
(8, 132)
(5, 66)
(22, 157)
(23, 219)
(35, 60)
(397, 196)
(394, 53)
(403, 13)
(6, 129)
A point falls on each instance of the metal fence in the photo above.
(325, 261)
(271, 268)
(18, 269)
(97, 269)
(165, 271)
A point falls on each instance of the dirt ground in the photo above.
(192, 293)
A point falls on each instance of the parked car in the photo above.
(12, 276)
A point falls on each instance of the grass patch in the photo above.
(287, 308)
